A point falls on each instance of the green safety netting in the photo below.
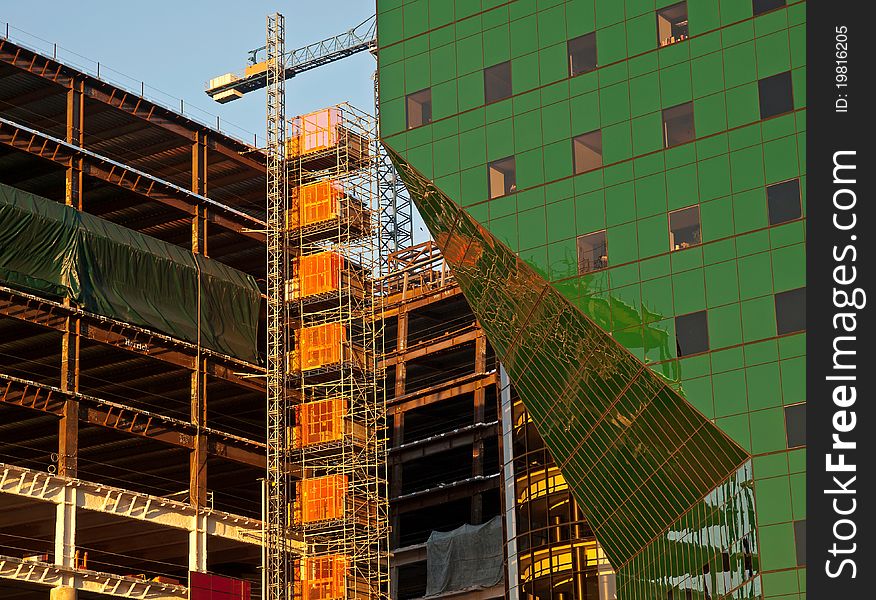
(55, 251)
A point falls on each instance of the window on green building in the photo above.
(791, 311)
(726, 575)
(672, 24)
(502, 176)
(587, 151)
(795, 425)
(684, 228)
(419, 108)
(592, 252)
(678, 124)
(497, 82)
(800, 541)
(775, 95)
(761, 6)
(747, 561)
(582, 54)
(707, 581)
(783, 201)
(692, 333)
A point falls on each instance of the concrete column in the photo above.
(198, 543)
(65, 534)
(62, 593)
(198, 470)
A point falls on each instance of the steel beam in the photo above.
(111, 415)
(437, 444)
(448, 493)
(443, 391)
(130, 103)
(129, 338)
(39, 486)
(431, 346)
(44, 146)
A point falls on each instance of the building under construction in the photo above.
(133, 411)
(135, 460)
(478, 508)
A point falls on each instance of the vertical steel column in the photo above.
(68, 427)
(75, 135)
(277, 564)
(199, 186)
(477, 448)
(509, 491)
(198, 395)
(68, 442)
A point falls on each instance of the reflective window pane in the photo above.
(783, 201)
(678, 124)
(775, 94)
(587, 151)
(582, 54)
(497, 82)
(419, 108)
(692, 333)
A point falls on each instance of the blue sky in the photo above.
(176, 46)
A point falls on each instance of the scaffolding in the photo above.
(395, 207)
(277, 571)
(340, 505)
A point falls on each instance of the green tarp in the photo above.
(52, 250)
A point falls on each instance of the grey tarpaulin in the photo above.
(53, 250)
(468, 557)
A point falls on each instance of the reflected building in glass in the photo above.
(619, 188)
(551, 551)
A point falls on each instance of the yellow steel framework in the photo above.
(341, 505)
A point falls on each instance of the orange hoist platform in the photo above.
(314, 203)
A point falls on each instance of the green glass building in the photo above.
(619, 186)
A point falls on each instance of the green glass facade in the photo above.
(660, 370)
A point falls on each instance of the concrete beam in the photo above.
(136, 506)
(56, 576)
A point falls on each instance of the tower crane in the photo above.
(271, 73)
(396, 209)
(232, 86)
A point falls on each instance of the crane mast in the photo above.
(334, 206)
(277, 564)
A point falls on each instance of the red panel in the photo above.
(206, 586)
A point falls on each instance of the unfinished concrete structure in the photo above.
(463, 451)
(129, 456)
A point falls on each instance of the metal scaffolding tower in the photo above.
(331, 192)
(396, 230)
(395, 208)
(341, 503)
(277, 563)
